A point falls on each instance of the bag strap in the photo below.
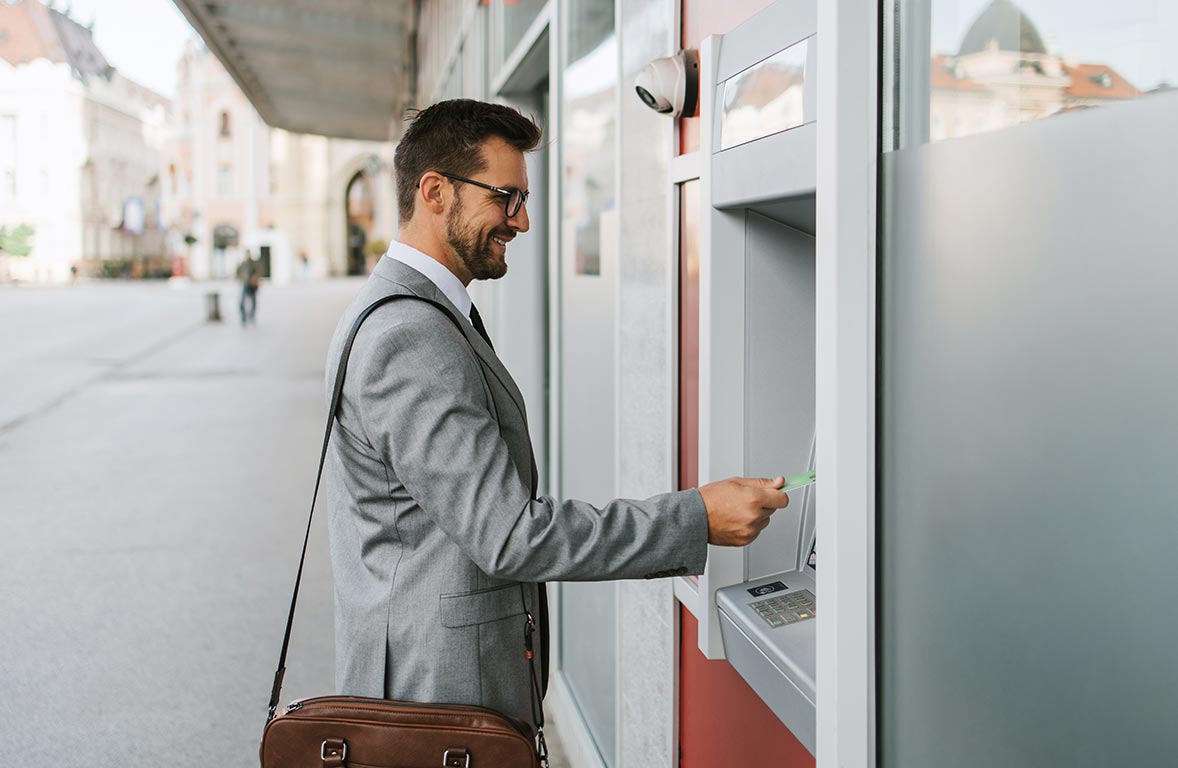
(336, 394)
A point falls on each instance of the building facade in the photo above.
(234, 184)
(643, 372)
(79, 152)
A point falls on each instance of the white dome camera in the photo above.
(670, 86)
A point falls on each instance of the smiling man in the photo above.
(439, 542)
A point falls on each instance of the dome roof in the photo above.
(1004, 22)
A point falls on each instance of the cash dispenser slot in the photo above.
(763, 184)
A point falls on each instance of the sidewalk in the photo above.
(156, 473)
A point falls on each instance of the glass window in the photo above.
(590, 83)
(1000, 63)
(766, 98)
(588, 122)
(689, 215)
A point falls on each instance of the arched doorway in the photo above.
(360, 208)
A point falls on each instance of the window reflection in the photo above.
(590, 91)
(766, 98)
(1000, 63)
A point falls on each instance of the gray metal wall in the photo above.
(1028, 439)
(779, 381)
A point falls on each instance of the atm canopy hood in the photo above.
(342, 69)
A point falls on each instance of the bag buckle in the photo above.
(334, 749)
(456, 758)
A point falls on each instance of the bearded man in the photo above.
(440, 545)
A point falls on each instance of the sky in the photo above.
(143, 39)
(1134, 37)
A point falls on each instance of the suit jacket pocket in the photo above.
(469, 608)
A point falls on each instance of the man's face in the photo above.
(477, 226)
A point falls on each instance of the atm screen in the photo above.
(812, 560)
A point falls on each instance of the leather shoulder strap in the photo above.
(337, 391)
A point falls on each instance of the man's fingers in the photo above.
(761, 482)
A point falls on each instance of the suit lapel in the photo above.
(418, 284)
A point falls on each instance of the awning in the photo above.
(342, 68)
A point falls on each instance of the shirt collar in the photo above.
(445, 280)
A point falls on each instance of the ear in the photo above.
(432, 191)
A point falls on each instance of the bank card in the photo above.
(794, 482)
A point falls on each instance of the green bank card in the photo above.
(795, 482)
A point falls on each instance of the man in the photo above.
(249, 272)
(432, 518)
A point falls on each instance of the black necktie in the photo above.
(477, 321)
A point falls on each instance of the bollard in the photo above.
(213, 307)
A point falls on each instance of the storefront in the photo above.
(918, 247)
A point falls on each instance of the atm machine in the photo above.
(757, 605)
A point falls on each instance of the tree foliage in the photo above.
(16, 241)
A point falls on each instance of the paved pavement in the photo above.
(155, 472)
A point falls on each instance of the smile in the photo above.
(501, 242)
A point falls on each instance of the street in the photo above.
(156, 473)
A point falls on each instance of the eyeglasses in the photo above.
(514, 199)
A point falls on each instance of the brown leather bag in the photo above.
(338, 731)
(355, 732)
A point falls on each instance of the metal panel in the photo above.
(847, 153)
(340, 69)
(778, 377)
(1028, 434)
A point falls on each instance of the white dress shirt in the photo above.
(450, 286)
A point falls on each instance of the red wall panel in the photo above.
(700, 19)
(722, 721)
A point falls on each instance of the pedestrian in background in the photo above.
(304, 267)
(249, 272)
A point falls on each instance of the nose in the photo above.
(519, 222)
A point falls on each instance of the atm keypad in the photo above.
(789, 608)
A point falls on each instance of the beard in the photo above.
(473, 248)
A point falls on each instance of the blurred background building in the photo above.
(307, 206)
(103, 177)
(1005, 73)
(79, 152)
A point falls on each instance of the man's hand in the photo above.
(739, 508)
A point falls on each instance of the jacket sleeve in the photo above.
(425, 408)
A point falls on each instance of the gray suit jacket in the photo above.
(431, 519)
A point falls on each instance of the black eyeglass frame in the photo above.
(507, 193)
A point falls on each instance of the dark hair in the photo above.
(448, 136)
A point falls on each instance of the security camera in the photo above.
(670, 86)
